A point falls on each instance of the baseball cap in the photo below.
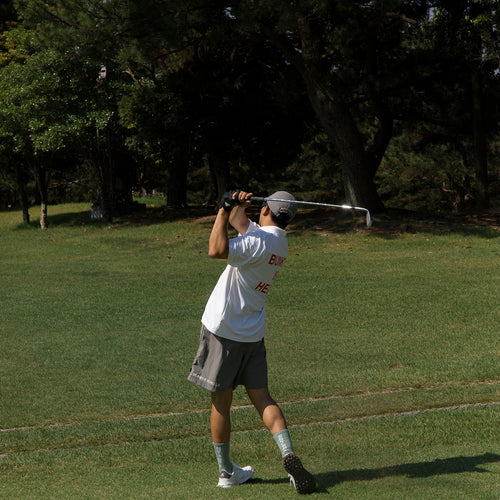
(283, 210)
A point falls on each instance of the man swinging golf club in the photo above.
(232, 350)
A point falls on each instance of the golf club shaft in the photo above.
(345, 207)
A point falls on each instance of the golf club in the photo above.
(345, 207)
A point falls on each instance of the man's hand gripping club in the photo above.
(229, 212)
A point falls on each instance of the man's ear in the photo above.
(266, 210)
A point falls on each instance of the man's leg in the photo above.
(268, 409)
(272, 417)
(220, 424)
(220, 419)
(274, 420)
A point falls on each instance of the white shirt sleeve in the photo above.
(245, 249)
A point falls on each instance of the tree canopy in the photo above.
(380, 102)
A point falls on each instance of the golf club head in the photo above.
(368, 219)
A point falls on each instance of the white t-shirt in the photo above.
(236, 308)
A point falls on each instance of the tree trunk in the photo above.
(357, 169)
(41, 178)
(177, 178)
(220, 174)
(43, 215)
(105, 180)
(480, 144)
(24, 206)
(23, 196)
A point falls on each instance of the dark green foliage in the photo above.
(385, 102)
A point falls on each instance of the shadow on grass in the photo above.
(455, 465)
(69, 219)
(437, 467)
(393, 223)
(146, 217)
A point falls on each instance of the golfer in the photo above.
(232, 350)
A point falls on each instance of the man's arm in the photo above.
(239, 220)
(218, 244)
(238, 217)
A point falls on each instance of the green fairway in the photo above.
(383, 349)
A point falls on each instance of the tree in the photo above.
(12, 39)
(347, 55)
(457, 54)
(477, 56)
(37, 122)
(92, 82)
(241, 84)
(204, 93)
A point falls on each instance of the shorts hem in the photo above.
(205, 383)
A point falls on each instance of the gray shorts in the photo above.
(222, 364)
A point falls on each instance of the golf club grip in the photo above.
(257, 198)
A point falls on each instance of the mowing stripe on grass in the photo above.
(283, 403)
(412, 413)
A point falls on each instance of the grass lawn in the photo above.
(383, 349)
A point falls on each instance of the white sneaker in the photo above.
(238, 476)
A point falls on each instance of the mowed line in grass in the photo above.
(311, 424)
(123, 431)
(402, 414)
(240, 407)
(443, 454)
